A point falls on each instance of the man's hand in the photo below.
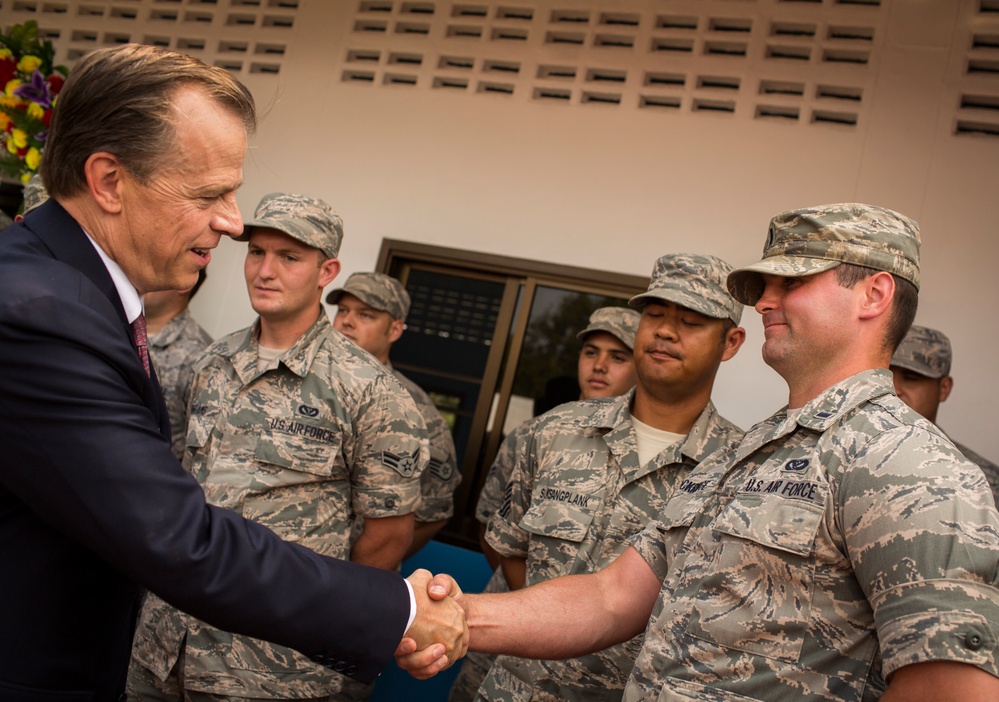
(439, 635)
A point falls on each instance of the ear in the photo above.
(395, 330)
(733, 340)
(329, 271)
(946, 385)
(878, 294)
(105, 176)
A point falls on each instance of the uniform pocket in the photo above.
(303, 448)
(756, 595)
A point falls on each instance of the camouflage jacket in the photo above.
(173, 351)
(441, 477)
(494, 487)
(576, 496)
(990, 469)
(323, 436)
(831, 548)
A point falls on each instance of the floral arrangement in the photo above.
(29, 84)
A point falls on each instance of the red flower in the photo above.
(8, 69)
(55, 84)
(47, 118)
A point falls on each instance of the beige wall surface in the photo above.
(603, 185)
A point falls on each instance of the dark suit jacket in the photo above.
(94, 506)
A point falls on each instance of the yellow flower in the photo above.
(25, 177)
(11, 86)
(28, 64)
(35, 111)
(32, 158)
(5, 53)
(4, 121)
(18, 139)
(8, 101)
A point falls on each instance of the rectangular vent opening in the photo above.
(813, 2)
(270, 49)
(827, 117)
(496, 88)
(659, 101)
(844, 56)
(55, 9)
(867, 3)
(977, 128)
(509, 34)
(620, 19)
(190, 44)
(465, 32)
(986, 6)
(793, 29)
(614, 41)
(552, 94)
(605, 75)
(412, 28)
(283, 4)
(678, 22)
(674, 79)
(241, 47)
(852, 33)
(459, 62)
(730, 25)
(718, 83)
(793, 53)
(777, 111)
(417, 8)
(82, 11)
(570, 16)
(50, 34)
(370, 26)
(601, 98)
(155, 40)
(979, 66)
(727, 106)
(375, 6)
(515, 13)
(470, 11)
(358, 77)
(556, 72)
(405, 59)
(502, 66)
(248, 21)
(681, 45)
(164, 15)
(725, 48)
(85, 35)
(399, 79)
(198, 17)
(363, 56)
(979, 102)
(111, 38)
(565, 38)
(779, 87)
(123, 13)
(278, 21)
(231, 66)
(271, 68)
(456, 83)
(839, 92)
(985, 41)
(240, 3)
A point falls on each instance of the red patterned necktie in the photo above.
(141, 340)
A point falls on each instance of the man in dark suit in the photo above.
(144, 156)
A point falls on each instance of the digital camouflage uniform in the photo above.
(820, 556)
(622, 323)
(840, 541)
(928, 352)
(573, 501)
(173, 351)
(441, 477)
(323, 436)
(578, 493)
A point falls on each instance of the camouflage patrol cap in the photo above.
(925, 351)
(305, 219)
(35, 193)
(809, 241)
(694, 281)
(620, 322)
(383, 292)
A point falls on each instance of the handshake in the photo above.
(439, 633)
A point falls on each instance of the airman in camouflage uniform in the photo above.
(921, 369)
(620, 323)
(843, 545)
(304, 439)
(383, 293)
(584, 485)
(174, 346)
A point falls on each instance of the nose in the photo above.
(600, 363)
(266, 269)
(666, 329)
(227, 220)
(768, 300)
(342, 320)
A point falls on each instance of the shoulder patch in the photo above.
(440, 470)
(404, 465)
